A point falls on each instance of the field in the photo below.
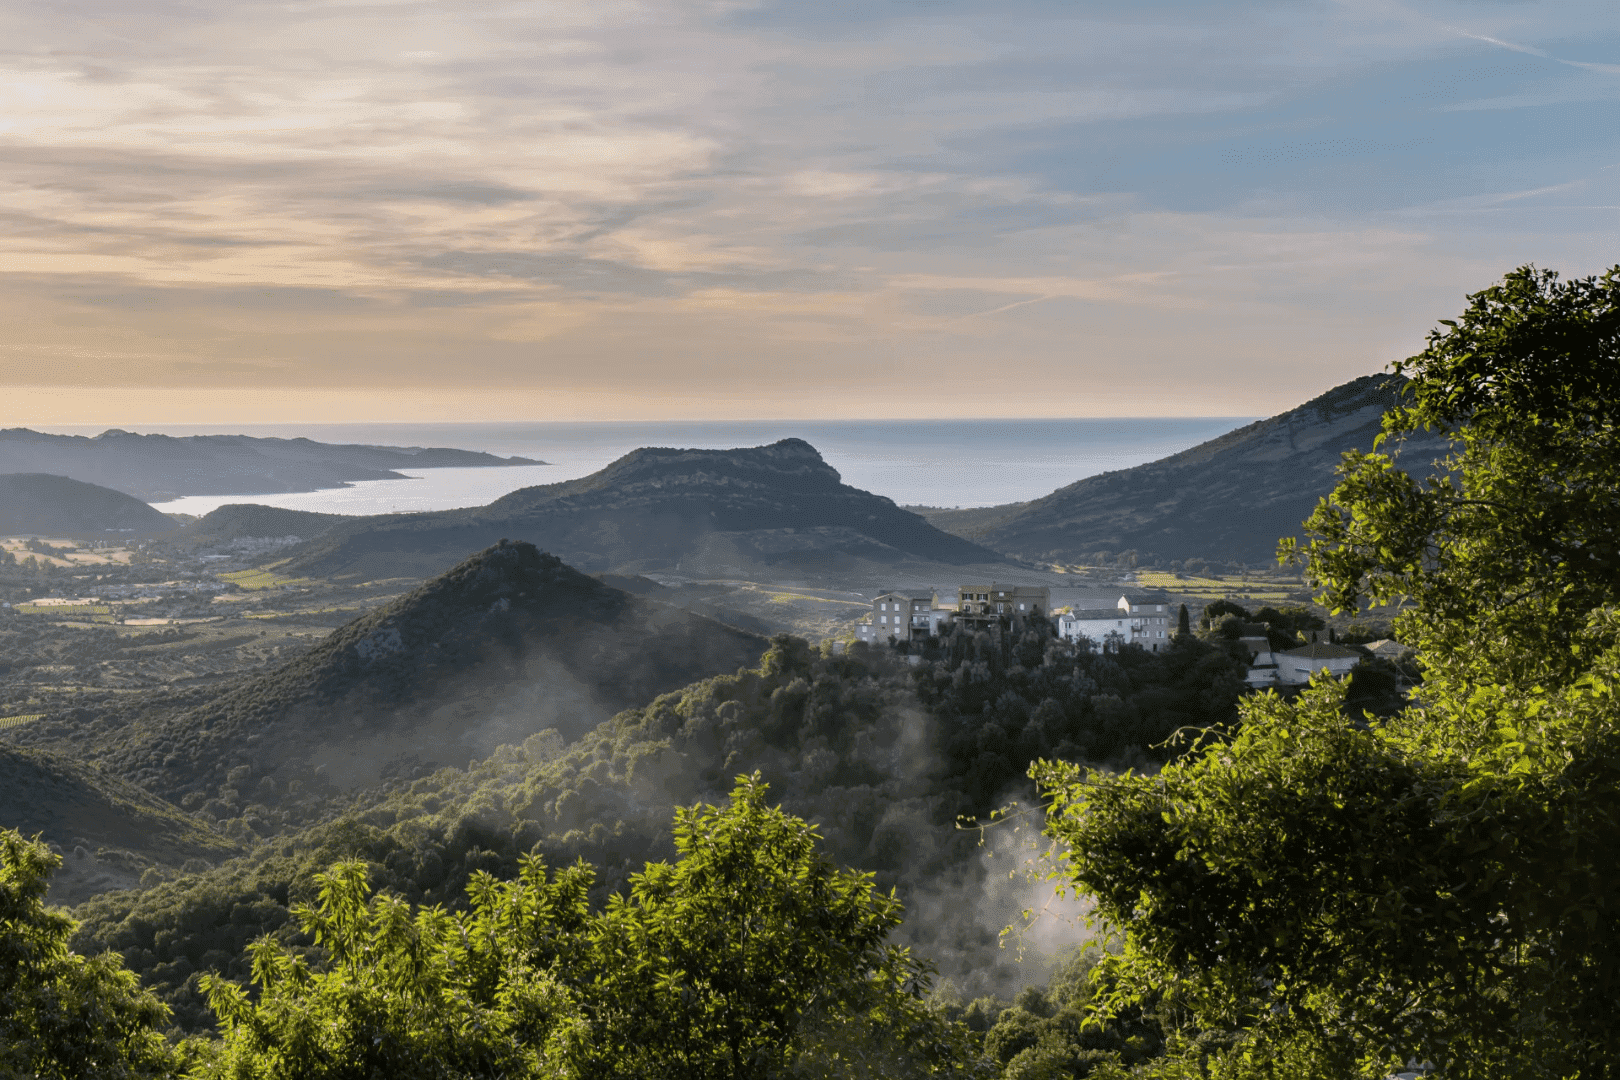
(1234, 587)
(262, 578)
(13, 721)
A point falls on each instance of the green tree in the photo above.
(1503, 554)
(749, 956)
(1183, 623)
(62, 1016)
(1330, 897)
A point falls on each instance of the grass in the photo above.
(789, 598)
(262, 578)
(1216, 588)
(13, 721)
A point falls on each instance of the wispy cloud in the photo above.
(652, 196)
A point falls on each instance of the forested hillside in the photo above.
(882, 756)
(110, 831)
(506, 644)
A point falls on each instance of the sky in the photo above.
(342, 210)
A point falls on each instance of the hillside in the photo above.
(57, 506)
(880, 755)
(108, 829)
(1230, 498)
(239, 521)
(506, 644)
(157, 467)
(710, 511)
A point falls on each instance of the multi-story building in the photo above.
(1149, 619)
(904, 616)
(983, 604)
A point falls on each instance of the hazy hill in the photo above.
(509, 642)
(236, 521)
(108, 829)
(155, 467)
(1229, 498)
(55, 505)
(713, 511)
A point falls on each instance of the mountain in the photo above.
(57, 506)
(158, 467)
(239, 521)
(717, 511)
(1230, 498)
(506, 644)
(109, 830)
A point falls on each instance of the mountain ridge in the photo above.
(657, 508)
(1230, 498)
(158, 467)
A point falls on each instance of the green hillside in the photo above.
(882, 756)
(109, 830)
(509, 642)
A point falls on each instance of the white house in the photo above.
(1095, 624)
(1296, 666)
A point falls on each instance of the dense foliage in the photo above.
(882, 756)
(750, 955)
(62, 1016)
(1328, 897)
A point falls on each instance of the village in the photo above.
(1149, 621)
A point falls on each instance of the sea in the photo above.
(944, 463)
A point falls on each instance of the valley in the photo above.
(204, 717)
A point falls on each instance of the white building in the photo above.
(1296, 666)
(1149, 618)
(1096, 624)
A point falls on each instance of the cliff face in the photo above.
(659, 509)
(507, 644)
(1229, 498)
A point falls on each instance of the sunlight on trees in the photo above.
(1319, 895)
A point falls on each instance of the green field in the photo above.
(262, 578)
(13, 721)
(1217, 588)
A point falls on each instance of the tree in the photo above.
(1505, 552)
(1183, 623)
(1332, 896)
(750, 956)
(62, 1016)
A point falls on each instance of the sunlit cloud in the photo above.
(689, 203)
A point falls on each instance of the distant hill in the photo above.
(158, 467)
(508, 643)
(108, 830)
(45, 504)
(238, 521)
(1230, 498)
(715, 511)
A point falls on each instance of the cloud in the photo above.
(623, 197)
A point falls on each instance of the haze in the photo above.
(349, 210)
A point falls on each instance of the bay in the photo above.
(953, 463)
